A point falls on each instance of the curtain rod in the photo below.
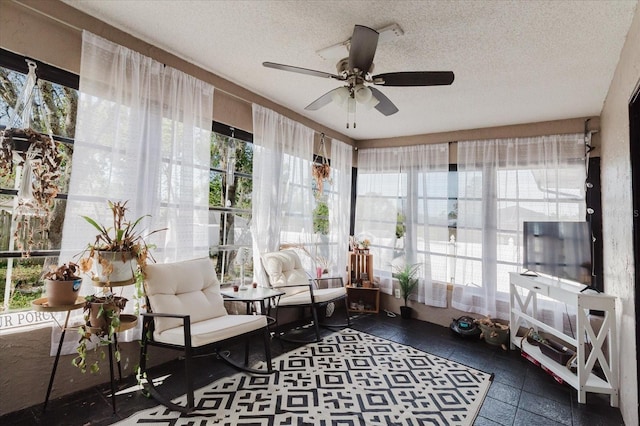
(78, 29)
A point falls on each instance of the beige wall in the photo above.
(618, 216)
(50, 31)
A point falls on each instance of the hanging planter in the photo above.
(38, 156)
(321, 172)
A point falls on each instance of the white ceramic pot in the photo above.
(114, 266)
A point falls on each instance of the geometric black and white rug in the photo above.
(349, 378)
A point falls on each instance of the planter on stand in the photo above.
(115, 267)
(62, 293)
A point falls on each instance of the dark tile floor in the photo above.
(521, 393)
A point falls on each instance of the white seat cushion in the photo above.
(319, 295)
(284, 268)
(213, 330)
(184, 288)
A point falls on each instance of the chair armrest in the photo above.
(329, 282)
(294, 285)
(149, 325)
(161, 315)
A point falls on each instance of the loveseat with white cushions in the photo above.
(187, 313)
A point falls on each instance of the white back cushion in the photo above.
(186, 288)
(284, 268)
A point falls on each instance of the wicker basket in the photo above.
(494, 335)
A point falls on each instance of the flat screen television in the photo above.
(558, 249)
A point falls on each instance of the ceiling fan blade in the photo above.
(385, 106)
(301, 70)
(364, 43)
(322, 100)
(414, 78)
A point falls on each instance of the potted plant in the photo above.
(408, 281)
(117, 257)
(118, 251)
(62, 284)
(102, 319)
(40, 160)
(494, 331)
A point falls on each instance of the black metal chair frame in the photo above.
(189, 352)
(314, 309)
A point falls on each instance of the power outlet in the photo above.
(397, 293)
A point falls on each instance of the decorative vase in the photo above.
(115, 267)
(406, 312)
(62, 293)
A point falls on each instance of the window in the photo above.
(463, 222)
(20, 276)
(403, 206)
(501, 184)
(230, 188)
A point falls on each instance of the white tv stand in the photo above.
(524, 291)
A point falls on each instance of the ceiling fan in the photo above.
(356, 72)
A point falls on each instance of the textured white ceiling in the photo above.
(514, 61)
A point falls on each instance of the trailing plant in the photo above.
(407, 279)
(110, 308)
(400, 226)
(320, 173)
(321, 218)
(40, 159)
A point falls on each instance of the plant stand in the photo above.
(127, 321)
(41, 305)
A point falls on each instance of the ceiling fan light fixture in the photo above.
(340, 96)
(362, 94)
(371, 103)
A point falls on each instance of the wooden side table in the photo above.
(42, 305)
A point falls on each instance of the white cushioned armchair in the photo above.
(285, 272)
(187, 313)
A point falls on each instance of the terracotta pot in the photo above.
(62, 293)
(102, 321)
(122, 265)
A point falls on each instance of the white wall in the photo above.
(617, 214)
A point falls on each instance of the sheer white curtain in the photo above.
(143, 135)
(340, 205)
(502, 183)
(403, 187)
(282, 197)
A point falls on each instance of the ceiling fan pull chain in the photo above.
(355, 106)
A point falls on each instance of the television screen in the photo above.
(559, 249)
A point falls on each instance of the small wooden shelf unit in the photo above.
(365, 298)
(359, 264)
